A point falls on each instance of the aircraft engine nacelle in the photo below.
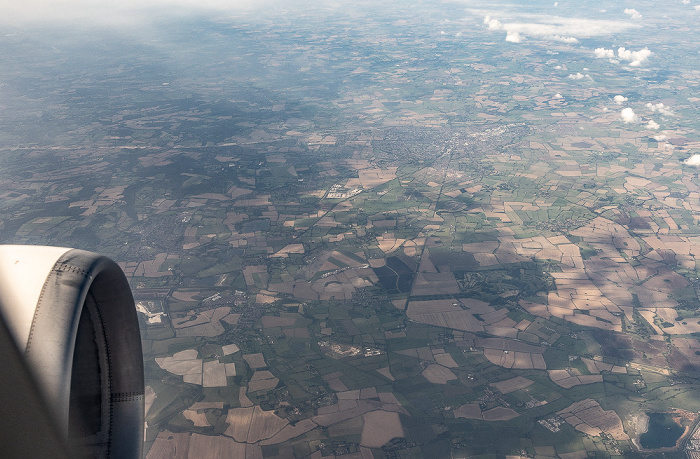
(74, 341)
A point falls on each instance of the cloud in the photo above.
(660, 137)
(661, 108)
(635, 58)
(554, 28)
(634, 14)
(602, 53)
(619, 100)
(693, 161)
(685, 2)
(628, 116)
(494, 24)
(697, 7)
(513, 37)
(578, 76)
(564, 39)
(652, 125)
(558, 96)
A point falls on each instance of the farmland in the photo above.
(381, 231)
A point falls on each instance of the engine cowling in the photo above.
(71, 316)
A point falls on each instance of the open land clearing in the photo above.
(409, 249)
(379, 427)
(473, 411)
(511, 385)
(190, 446)
(588, 417)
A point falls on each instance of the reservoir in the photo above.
(663, 432)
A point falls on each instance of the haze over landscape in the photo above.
(378, 229)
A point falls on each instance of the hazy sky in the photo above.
(122, 12)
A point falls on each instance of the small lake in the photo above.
(663, 432)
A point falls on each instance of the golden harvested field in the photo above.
(388, 243)
(230, 349)
(511, 359)
(286, 250)
(352, 426)
(437, 374)
(255, 360)
(443, 314)
(238, 420)
(446, 360)
(435, 284)
(170, 445)
(567, 379)
(290, 431)
(386, 373)
(182, 363)
(587, 416)
(264, 424)
(210, 446)
(205, 323)
(511, 385)
(207, 406)
(349, 406)
(500, 413)
(213, 374)
(285, 320)
(199, 419)
(369, 178)
(252, 424)
(380, 427)
(262, 380)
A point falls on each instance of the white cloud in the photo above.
(685, 2)
(635, 58)
(578, 76)
(513, 37)
(693, 160)
(619, 100)
(550, 27)
(602, 53)
(634, 14)
(564, 39)
(697, 7)
(661, 108)
(494, 24)
(660, 137)
(628, 116)
(558, 96)
(652, 125)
